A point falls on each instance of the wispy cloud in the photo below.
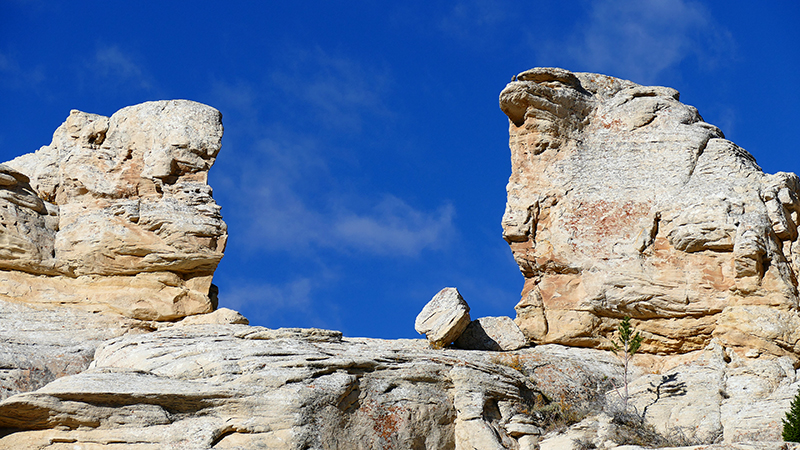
(15, 76)
(332, 91)
(393, 227)
(640, 39)
(292, 187)
(290, 166)
(282, 216)
(468, 17)
(279, 301)
(115, 68)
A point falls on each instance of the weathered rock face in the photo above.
(491, 333)
(38, 345)
(444, 318)
(116, 213)
(234, 386)
(623, 202)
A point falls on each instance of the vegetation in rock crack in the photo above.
(626, 345)
(791, 424)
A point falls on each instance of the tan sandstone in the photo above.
(623, 202)
(443, 318)
(116, 214)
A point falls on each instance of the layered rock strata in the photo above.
(235, 386)
(116, 214)
(623, 202)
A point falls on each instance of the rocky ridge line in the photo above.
(124, 368)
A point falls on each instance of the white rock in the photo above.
(219, 316)
(492, 333)
(444, 318)
(121, 204)
(622, 201)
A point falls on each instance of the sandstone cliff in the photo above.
(623, 202)
(116, 214)
(108, 338)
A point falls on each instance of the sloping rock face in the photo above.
(234, 386)
(38, 345)
(623, 202)
(116, 214)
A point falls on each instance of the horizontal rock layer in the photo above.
(623, 202)
(236, 386)
(116, 213)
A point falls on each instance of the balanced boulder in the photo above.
(444, 318)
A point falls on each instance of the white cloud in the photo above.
(294, 294)
(640, 39)
(286, 191)
(288, 199)
(393, 227)
(279, 303)
(15, 76)
(282, 219)
(332, 91)
(116, 67)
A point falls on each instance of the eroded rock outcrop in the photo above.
(234, 386)
(623, 202)
(603, 217)
(116, 214)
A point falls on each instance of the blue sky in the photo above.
(365, 157)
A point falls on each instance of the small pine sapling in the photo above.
(628, 344)
(791, 424)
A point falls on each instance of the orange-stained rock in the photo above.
(622, 201)
(116, 214)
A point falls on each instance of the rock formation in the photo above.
(108, 338)
(491, 333)
(116, 214)
(623, 202)
(444, 318)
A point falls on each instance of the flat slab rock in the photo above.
(236, 386)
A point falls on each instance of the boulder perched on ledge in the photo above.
(116, 214)
(444, 318)
(622, 201)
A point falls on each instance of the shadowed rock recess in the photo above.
(621, 202)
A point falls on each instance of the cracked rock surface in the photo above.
(623, 202)
(116, 214)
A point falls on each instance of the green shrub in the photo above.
(628, 344)
(791, 424)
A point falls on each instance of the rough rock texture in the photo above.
(115, 217)
(491, 333)
(623, 202)
(116, 214)
(444, 318)
(234, 386)
(39, 345)
(219, 316)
